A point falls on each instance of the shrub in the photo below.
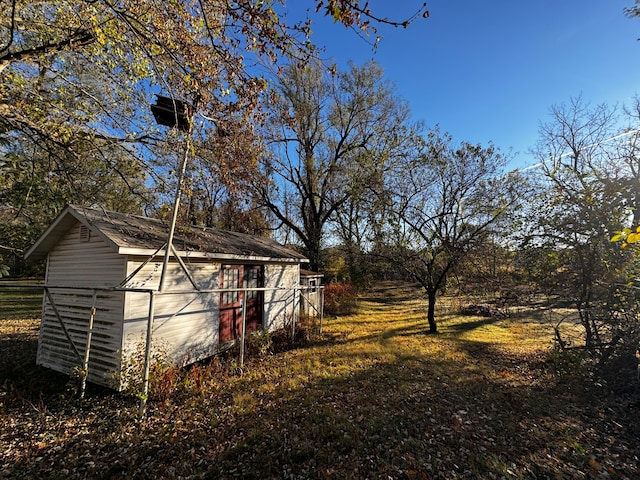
(258, 343)
(162, 372)
(340, 298)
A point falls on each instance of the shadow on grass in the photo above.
(467, 324)
(393, 293)
(389, 301)
(18, 302)
(21, 379)
(413, 416)
(354, 335)
(463, 409)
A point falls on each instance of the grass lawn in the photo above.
(374, 396)
(19, 302)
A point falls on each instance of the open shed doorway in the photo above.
(238, 277)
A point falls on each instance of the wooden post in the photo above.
(244, 324)
(321, 307)
(169, 246)
(85, 365)
(147, 356)
(174, 214)
(293, 314)
(188, 113)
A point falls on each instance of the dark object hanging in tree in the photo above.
(172, 113)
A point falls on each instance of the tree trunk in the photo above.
(431, 310)
(313, 252)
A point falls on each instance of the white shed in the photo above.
(312, 296)
(110, 263)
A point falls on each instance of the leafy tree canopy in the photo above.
(77, 68)
(77, 78)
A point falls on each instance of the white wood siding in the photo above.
(283, 305)
(185, 327)
(311, 297)
(82, 261)
(186, 324)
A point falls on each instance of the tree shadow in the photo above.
(396, 413)
(467, 324)
(413, 414)
(20, 378)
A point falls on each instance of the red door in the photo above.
(239, 277)
(252, 278)
(230, 303)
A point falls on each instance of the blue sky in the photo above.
(489, 70)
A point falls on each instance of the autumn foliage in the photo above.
(627, 236)
(340, 298)
(372, 397)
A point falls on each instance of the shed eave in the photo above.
(145, 252)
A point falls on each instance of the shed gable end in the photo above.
(78, 263)
(82, 259)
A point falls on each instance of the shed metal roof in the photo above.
(138, 235)
(310, 273)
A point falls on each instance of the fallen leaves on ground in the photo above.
(373, 397)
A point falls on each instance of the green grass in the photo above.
(374, 396)
(19, 301)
